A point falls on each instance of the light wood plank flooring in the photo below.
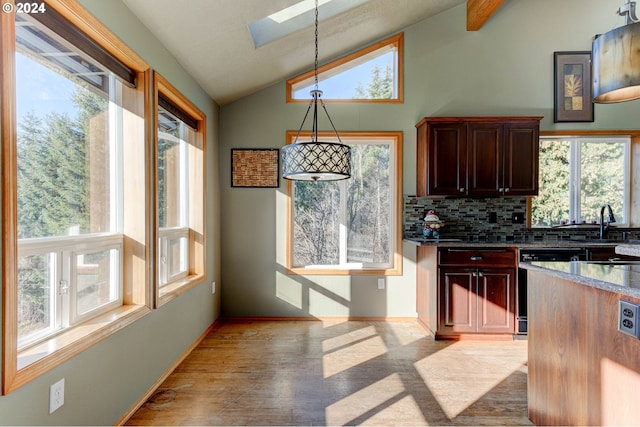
(280, 372)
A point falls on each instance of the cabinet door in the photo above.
(484, 143)
(458, 308)
(496, 300)
(521, 157)
(441, 168)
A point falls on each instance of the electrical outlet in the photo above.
(381, 283)
(517, 218)
(628, 321)
(56, 396)
(213, 287)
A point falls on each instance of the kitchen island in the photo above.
(581, 369)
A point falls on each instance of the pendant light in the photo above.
(616, 60)
(316, 160)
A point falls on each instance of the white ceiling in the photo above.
(211, 40)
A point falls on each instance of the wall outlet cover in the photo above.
(628, 318)
(56, 396)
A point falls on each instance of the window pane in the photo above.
(349, 223)
(602, 179)
(551, 206)
(373, 74)
(96, 274)
(174, 139)
(373, 79)
(63, 141)
(369, 205)
(316, 228)
(36, 296)
(176, 256)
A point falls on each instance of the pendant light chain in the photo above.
(316, 62)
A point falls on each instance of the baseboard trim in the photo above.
(164, 376)
(318, 318)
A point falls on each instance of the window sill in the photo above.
(35, 360)
(177, 288)
(337, 271)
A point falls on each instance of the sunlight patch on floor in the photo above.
(402, 336)
(384, 402)
(352, 355)
(348, 338)
(449, 383)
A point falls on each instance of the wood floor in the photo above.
(248, 372)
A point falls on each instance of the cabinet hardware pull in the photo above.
(476, 258)
(506, 190)
(480, 274)
(462, 189)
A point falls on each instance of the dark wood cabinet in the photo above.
(477, 156)
(442, 157)
(476, 292)
(606, 253)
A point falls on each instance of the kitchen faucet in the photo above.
(605, 228)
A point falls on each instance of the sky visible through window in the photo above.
(40, 90)
(343, 85)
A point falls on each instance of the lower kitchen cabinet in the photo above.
(476, 301)
(476, 291)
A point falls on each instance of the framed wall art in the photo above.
(573, 101)
(255, 167)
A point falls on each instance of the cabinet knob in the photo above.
(480, 274)
(506, 190)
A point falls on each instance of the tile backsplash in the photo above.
(490, 220)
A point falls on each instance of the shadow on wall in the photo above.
(330, 296)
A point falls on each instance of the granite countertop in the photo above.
(622, 277)
(626, 249)
(418, 241)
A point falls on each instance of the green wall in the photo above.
(506, 68)
(103, 382)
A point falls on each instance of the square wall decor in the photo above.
(255, 167)
(573, 101)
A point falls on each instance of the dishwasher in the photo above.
(540, 254)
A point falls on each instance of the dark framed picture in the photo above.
(573, 101)
(255, 167)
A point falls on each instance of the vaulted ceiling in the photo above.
(212, 41)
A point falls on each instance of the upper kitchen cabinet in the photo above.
(477, 156)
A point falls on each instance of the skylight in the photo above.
(295, 18)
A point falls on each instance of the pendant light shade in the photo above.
(616, 61)
(316, 160)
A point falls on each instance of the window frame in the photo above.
(21, 366)
(396, 41)
(395, 243)
(196, 175)
(633, 175)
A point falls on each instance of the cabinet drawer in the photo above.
(481, 257)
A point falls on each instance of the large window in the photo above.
(350, 226)
(580, 175)
(69, 186)
(71, 130)
(180, 192)
(370, 75)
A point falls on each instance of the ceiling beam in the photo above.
(479, 11)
